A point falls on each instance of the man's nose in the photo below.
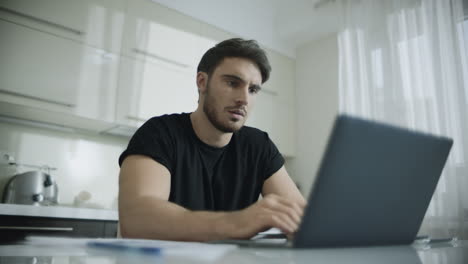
(242, 96)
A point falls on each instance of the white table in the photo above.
(442, 253)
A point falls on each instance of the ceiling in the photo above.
(282, 25)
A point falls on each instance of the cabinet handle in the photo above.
(36, 228)
(37, 98)
(154, 56)
(42, 21)
(136, 118)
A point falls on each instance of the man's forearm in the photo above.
(153, 218)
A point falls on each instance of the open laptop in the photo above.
(373, 187)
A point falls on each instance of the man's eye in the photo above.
(232, 83)
(254, 90)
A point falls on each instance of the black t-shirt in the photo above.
(205, 177)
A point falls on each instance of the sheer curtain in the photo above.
(405, 62)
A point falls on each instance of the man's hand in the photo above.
(271, 211)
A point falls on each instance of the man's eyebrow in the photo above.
(256, 86)
(233, 77)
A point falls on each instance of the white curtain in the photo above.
(405, 62)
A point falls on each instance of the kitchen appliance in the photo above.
(32, 187)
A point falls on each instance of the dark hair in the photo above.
(235, 47)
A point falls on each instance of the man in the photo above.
(198, 176)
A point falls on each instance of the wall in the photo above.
(316, 106)
(84, 161)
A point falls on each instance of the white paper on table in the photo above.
(193, 250)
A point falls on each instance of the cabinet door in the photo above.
(155, 31)
(98, 23)
(161, 50)
(48, 72)
(38, 65)
(12, 226)
(148, 88)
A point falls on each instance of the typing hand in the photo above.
(271, 211)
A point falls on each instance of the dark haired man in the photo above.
(198, 176)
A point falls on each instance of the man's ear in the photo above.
(202, 81)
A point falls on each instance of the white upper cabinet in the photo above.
(150, 88)
(48, 72)
(113, 64)
(98, 23)
(60, 56)
(38, 66)
(161, 50)
(157, 32)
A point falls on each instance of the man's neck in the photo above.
(206, 132)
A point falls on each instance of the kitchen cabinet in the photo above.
(17, 227)
(109, 65)
(47, 72)
(153, 31)
(18, 221)
(25, 52)
(160, 53)
(149, 88)
(97, 23)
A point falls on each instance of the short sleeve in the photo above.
(152, 139)
(273, 158)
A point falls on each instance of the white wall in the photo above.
(84, 162)
(316, 106)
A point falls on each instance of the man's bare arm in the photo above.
(145, 212)
(281, 184)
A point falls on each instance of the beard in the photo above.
(215, 118)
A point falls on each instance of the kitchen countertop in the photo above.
(58, 212)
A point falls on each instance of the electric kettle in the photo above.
(32, 187)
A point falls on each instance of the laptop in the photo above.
(373, 187)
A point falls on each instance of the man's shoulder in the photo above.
(248, 130)
(165, 124)
(169, 118)
(168, 121)
(253, 135)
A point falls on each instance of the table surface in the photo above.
(437, 253)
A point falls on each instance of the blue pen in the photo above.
(125, 248)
